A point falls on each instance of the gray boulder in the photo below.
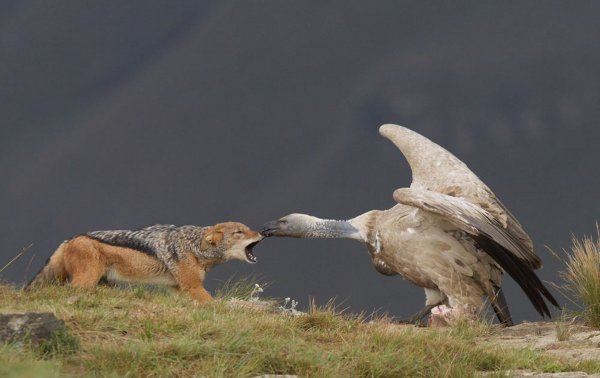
(30, 327)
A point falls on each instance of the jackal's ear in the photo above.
(212, 238)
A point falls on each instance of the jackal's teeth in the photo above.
(249, 255)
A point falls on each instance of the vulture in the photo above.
(448, 233)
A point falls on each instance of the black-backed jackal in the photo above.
(160, 254)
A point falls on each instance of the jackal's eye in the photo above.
(239, 232)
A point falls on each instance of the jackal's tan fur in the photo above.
(161, 254)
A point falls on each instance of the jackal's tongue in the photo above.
(249, 255)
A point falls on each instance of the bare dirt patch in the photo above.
(567, 342)
(581, 342)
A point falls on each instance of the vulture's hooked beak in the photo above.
(270, 228)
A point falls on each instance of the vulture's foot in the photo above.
(418, 318)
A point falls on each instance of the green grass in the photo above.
(582, 277)
(143, 332)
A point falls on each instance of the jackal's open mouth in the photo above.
(249, 255)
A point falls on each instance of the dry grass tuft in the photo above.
(563, 326)
(582, 276)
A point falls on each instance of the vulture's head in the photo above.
(292, 225)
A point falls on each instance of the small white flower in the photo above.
(254, 294)
(292, 309)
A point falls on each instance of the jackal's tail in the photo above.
(53, 271)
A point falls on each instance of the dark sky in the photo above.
(121, 115)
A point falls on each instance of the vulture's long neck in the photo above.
(359, 228)
(331, 229)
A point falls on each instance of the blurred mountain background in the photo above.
(121, 115)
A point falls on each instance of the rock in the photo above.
(581, 343)
(33, 327)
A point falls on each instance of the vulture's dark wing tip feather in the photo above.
(521, 272)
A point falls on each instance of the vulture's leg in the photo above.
(434, 298)
(418, 317)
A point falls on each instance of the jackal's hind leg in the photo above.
(83, 264)
(87, 278)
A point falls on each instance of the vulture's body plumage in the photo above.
(448, 233)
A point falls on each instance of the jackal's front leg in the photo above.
(190, 277)
(200, 294)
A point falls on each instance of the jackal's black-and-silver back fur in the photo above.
(168, 243)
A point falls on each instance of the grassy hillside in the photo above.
(143, 332)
